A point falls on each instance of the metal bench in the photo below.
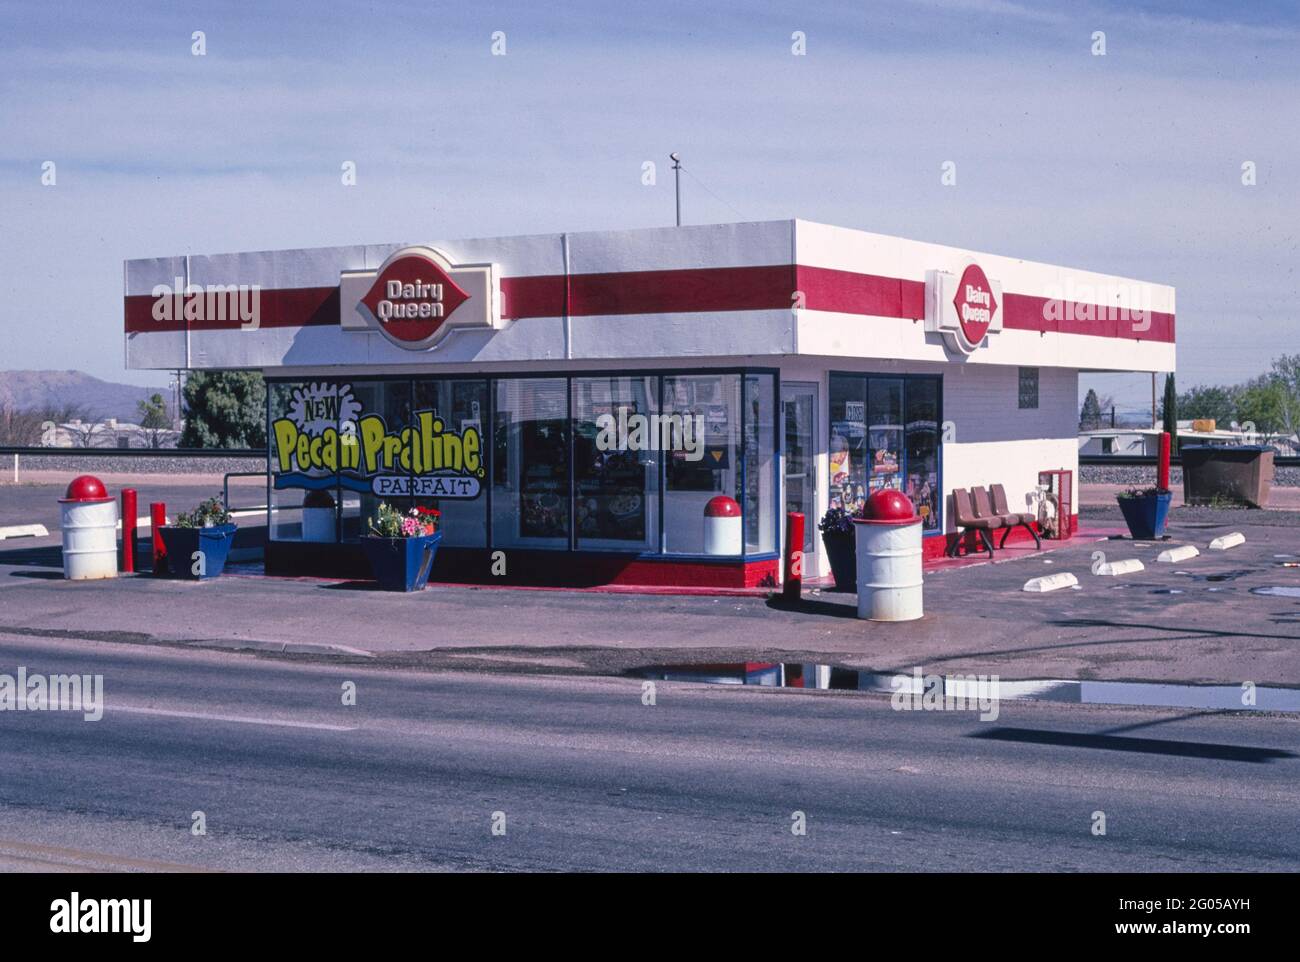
(983, 513)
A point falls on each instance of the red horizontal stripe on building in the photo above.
(281, 307)
(845, 292)
(694, 290)
(1025, 312)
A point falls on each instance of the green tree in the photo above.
(1219, 403)
(1286, 372)
(1169, 411)
(1265, 404)
(224, 409)
(154, 421)
(1090, 413)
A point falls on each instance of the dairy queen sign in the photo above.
(965, 309)
(418, 297)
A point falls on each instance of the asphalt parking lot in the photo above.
(1223, 617)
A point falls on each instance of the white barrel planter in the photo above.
(89, 521)
(723, 532)
(889, 569)
(318, 524)
(318, 511)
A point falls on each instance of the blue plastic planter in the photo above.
(182, 543)
(1146, 514)
(402, 564)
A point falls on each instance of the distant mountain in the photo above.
(21, 390)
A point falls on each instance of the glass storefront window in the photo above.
(339, 449)
(303, 444)
(921, 433)
(458, 407)
(530, 467)
(379, 460)
(884, 433)
(593, 462)
(760, 460)
(849, 458)
(693, 477)
(619, 440)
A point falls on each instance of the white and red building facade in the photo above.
(571, 403)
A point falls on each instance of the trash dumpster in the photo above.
(1239, 475)
(89, 530)
(889, 558)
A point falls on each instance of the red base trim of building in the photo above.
(530, 568)
(577, 569)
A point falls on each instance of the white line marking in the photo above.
(239, 719)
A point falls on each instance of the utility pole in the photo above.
(1154, 420)
(677, 177)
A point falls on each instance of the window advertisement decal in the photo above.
(327, 438)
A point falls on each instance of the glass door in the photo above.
(799, 418)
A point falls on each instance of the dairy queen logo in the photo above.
(963, 308)
(417, 297)
(412, 297)
(975, 305)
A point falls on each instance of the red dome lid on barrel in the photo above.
(722, 507)
(86, 488)
(888, 506)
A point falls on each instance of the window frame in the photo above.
(906, 378)
(1021, 371)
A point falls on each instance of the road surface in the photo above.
(587, 777)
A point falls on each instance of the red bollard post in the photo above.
(1162, 472)
(794, 557)
(158, 518)
(128, 529)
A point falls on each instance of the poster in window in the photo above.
(923, 491)
(886, 458)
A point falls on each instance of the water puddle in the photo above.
(1220, 576)
(835, 678)
(1280, 591)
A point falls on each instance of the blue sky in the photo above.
(1128, 163)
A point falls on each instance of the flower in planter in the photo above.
(836, 521)
(1140, 493)
(209, 514)
(388, 522)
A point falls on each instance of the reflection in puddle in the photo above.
(834, 678)
(1282, 591)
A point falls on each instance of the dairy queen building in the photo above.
(643, 407)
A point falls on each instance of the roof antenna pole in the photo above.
(677, 176)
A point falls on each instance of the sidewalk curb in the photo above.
(278, 647)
